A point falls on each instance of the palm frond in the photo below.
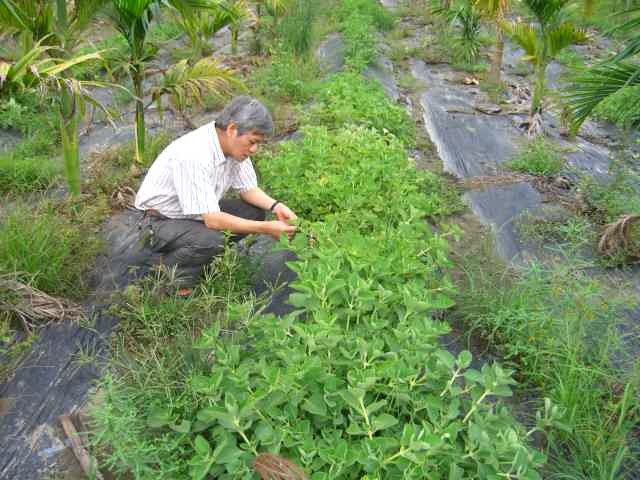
(187, 84)
(34, 16)
(599, 83)
(563, 35)
(633, 45)
(546, 11)
(526, 36)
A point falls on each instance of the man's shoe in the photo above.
(184, 292)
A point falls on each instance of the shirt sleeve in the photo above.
(194, 180)
(245, 177)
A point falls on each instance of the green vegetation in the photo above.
(52, 248)
(538, 157)
(286, 78)
(30, 165)
(358, 21)
(347, 98)
(542, 42)
(618, 196)
(612, 84)
(565, 344)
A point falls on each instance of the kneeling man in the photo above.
(185, 214)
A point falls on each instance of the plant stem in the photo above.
(69, 133)
(538, 89)
(496, 62)
(137, 74)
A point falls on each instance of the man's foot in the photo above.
(184, 292)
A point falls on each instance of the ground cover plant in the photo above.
(567, 344)
(539, 157)
(348, 98)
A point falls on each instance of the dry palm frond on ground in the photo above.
(617, 238)
(33, 307)
(273, 467)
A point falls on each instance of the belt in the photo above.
(154, 213)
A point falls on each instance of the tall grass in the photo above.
(50, 249)
(560, 329)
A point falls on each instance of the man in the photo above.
(185, 215)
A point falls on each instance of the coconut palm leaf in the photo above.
(526, 36)
(35, 16)
(546, 11)
(599, 83)
(187, 84)
(562, 36)
(633, 45)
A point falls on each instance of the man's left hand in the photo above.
(284, 213)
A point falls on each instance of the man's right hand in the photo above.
(276, 228)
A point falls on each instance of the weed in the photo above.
(31, 164)
(538, 157)
(614, 197)
(48, 247)
(564, 342)
(296, 28)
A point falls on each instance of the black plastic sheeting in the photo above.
(53, 380)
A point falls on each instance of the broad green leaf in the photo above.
(201, 445)
(464, 359)
(315, 405)
(383, 421)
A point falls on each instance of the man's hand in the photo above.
(284, 213)
(276, 228)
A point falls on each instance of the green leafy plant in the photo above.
(542, 42)
(348, 98)
(296, 28)
(538, 157)
(339, 181)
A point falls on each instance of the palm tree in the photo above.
(133, 18)
(496, 10)
(542, 41)
(602, 81)
(44, 30)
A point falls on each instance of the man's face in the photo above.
(245, 145)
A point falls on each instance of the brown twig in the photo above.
(33, 307)
(87, 463)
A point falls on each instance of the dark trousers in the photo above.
(188, 245)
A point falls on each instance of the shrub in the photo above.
(539, 157)
(348, 98)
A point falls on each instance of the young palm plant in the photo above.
(496, 11)
(605, 80)
(45, 30)
(133, 18)
(542, 41)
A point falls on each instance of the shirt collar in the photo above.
(219, 157)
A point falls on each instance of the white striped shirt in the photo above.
(191, 175)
